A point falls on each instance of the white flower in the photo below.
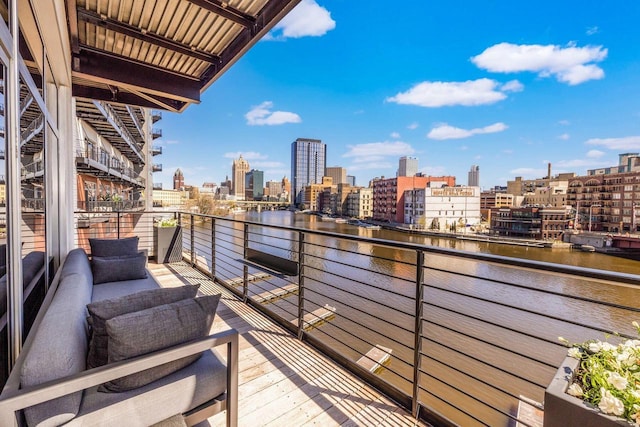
(575, 353)
(575, 390)
(607, 346)
(595, 347)
(617, 380)
(636, 395)
(609, 404)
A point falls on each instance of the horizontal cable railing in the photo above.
(455, 336)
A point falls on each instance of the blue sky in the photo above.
(509, 86)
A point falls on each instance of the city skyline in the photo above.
(511, 92)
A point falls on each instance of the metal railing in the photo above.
(457, 337)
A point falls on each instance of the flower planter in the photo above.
(564, 410)
(167, 244)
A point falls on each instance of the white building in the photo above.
(360, 203)
(442, 208)
(408, 166)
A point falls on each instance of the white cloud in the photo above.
(576, 163)
(564, 122)
(308, 18)
(434, 171)
(512, 86)
(262, 115)
(366, 155)
(564, 136)
(267, 165)
(413, 126)
(592, 30)
(624, 143)
(440, 94)
(395, 135)
(247, 155)
(529, 172)
(444, 131)
(595, 154)
(570, 64)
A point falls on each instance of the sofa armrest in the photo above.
(13, 400)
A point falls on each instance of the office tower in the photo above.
(351, 180)
(254, 185)
(408, 166)
(338, 173)
(308, 165)
(239, 169)
(474, 176)
(178, 180)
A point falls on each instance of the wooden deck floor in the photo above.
(283, 381)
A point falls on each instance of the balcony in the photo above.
(157, 186)
(441, 313)
(156, 133)
(156, 167)
(156, 150)
(156, 116)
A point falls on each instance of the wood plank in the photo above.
(530, 413)
(251, 278)
(375, 359)
(316, 317)
(276, 294)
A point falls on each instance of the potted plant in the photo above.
(598, 384)
(167, 240)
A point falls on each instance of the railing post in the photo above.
(213, 249)
(245, 268)
(192, 235)
(418, 331)
(300, 284)
(118, 223)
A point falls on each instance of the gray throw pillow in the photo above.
(156, 328)
(114, 247)
(116, 269)
(101, 311)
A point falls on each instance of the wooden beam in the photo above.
(223, 9)
(105, 68)
(125, 98)
(137, 33)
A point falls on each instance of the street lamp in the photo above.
(590, 214)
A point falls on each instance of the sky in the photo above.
(508, 86)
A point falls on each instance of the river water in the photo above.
(490, 331)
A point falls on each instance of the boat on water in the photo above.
(341, 221)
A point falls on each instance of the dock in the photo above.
(375, 359)
(316, 317)
(250, 278)
(276, 294)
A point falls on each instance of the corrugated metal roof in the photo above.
(162, 53)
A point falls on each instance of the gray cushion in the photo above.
(177, 393)
(115, 269)
(77, 261)
(119, 289)
(145, 331)
(59, 349)
(114, 247)
(104, 310)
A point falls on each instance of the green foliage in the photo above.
(167, 222)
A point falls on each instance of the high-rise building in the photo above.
(239, 170)
(351, 180)
(308, 165)
(474, 176)
(338, 174)
(178, 180)
(254, 185)
(408, 166)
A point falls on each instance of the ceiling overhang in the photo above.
(162, 55)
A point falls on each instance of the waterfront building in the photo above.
(531, 222)
(312, 196)
(627, 162)
(334, 198)
(238, 171)
(442, 209)
(178, 180)
(473, 177)
(359, 203)
(407, 166)
(274, 191)
(308, 165)
(338, 174)
(286, 189)
(351, 180)
(170, 198)
(254, 185)
(388, 194)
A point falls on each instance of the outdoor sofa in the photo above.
(90, 360)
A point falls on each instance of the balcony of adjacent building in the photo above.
(97, 162)
(156, 133)
(157, 186)
(156, 116)
(156, 150)
(157, 167)
(415, 336)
